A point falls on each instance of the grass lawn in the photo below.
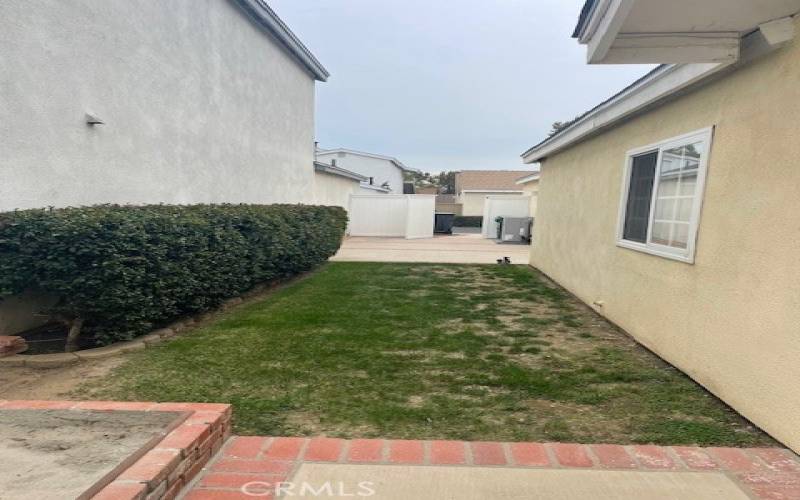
(430, 351)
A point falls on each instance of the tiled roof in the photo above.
(493, 180)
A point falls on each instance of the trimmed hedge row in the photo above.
(468, 221)
(121, 270)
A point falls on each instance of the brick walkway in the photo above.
(772, 474)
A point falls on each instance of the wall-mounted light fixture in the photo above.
(93, 120)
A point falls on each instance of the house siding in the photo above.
(532, 189)
(731, 320)
(199, 104)
(334, 190)
(380, 170)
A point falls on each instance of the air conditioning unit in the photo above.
(516, 229)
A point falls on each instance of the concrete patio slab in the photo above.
(391, 482)
(450, 249)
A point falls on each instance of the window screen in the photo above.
(640, 194)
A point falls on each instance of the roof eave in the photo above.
(528, 179)
(376, 188)
(332, 170)
(586, 13)
(392, 159)
(646, 92)
(265, 17)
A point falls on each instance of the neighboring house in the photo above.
(198, 103)
(530, 187)
(384, 173)
(447, 203)
(473, 186)
(333, 185)
(673, 207)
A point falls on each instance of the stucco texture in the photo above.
(334, 190)
(199, 105)
(732, 319)
(532, 189)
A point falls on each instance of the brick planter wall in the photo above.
(163, 471)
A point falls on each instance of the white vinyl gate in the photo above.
(392, 215)
(503, 206)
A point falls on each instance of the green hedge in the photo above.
(468, 221)
(123, 270)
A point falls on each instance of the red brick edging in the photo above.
(166, 469)
(768, 473)
(187, 456)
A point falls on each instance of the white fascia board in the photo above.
(673, 48)
(392, 159)
(599, 9)
(375, 188)
(261, 13)
(341, 172)
(607, 28)
(528, 179)
(660, 84)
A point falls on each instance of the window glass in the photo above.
(664, 186)
(675, 195)
(640, 194)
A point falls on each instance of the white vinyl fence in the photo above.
(392, 215)
(503, 206)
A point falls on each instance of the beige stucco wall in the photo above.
(532, 189)
(472, 203)
(200, 105)
(334, 190)
(732, 320)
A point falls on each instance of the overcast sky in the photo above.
(448, 84)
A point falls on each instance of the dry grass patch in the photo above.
(430, 352)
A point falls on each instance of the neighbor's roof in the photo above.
(392, 159)
(332, 170)
(375, 188)
(529, 178)
(489, 180)
(265, 18)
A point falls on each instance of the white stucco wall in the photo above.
(380, 170)
(200, 105)
(334, 190)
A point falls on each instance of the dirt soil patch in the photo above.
(20, 382)
(57, 454)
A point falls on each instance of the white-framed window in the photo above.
(662, 195)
